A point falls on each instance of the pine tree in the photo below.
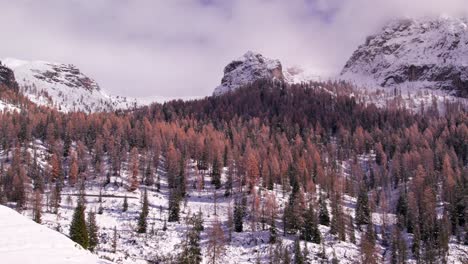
(229, 180)
(125, 204)
(416, 247)
(174, 206)
(142, 224)
(293, 212)
(114, 240)
(191, 251)
(298, 257)
(92, 231)
(230, 222)
(273, 233)
(362, 216)
(37, 207)
(149, 179)
(238, 217)
(310, 231)
(56, 196)
(324, 217)
(398, 248)
(351, 233)
(78, 229)
(216, 174)
(402, 210)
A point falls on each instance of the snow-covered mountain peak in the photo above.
(52, 73)
(253, 66)
(421, 53)
(249, 68)
(63, 86)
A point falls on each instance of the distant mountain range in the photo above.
(429, 53)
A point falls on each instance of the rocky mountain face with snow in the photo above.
(62, 86)
(249, 68)
(419, 53)
(7, 77)
(254, 66)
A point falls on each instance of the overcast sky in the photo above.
(180, 47)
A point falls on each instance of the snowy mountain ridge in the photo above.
(62, 86)
(418, 53)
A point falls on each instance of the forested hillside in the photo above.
(317, 174)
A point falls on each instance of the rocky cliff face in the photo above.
(7, 77)
(249, 68)
(420, 53)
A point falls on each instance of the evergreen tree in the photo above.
(293, 212)
(142, 224)
(416, 247)
(310, 231)
(125, 204)
(216, 174)
(398, 248)
(92, 231)
(56, 196)
(174, 206)
(362, 216)
(324, 217)
(298, 257)
(238, 217)
(114, 240)
(78, 229)
(191, 251)
(402, 210)
(273, 233)
(37, 207)
(145, 203)
(351, 233)
(149, 179)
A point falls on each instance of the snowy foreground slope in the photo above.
(23, 241)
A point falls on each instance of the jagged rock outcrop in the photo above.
(247, 69)
(420, 53)
(7, 77)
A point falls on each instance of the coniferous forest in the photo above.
(305, 167)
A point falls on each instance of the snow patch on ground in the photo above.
(23, 241)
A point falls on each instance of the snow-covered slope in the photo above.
(23, 241)
(417, 53)
(62, 86)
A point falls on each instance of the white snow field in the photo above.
(23, 241)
